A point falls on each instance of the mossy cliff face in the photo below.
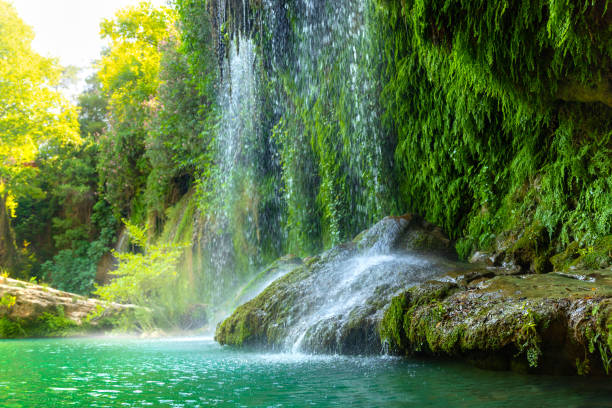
(30, 310)
(503, 121)
(333, 302)
(557, 322)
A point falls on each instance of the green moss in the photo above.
(518, 320)
(178, 227)
(45, 325)
(391, 325)
(596, 256)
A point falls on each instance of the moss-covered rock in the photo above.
(597, 256)
(333, 302)
(259, 321)
(406, 233)
(549, 323)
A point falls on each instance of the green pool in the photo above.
(109, 372)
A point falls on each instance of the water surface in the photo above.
(109, 372)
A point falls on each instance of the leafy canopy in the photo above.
(33, 112)
(129, 73)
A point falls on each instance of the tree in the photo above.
(71, 227)
(93, 104)
(177, 140)
(147, 278)
(129, 72)
(33, 113)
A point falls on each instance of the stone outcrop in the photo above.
(333, 302)
(558, 322)
(494, 316)
(31, 310)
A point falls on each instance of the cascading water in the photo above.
(343, 292)
(341, 303)
(330, 122)
(233, 177)
(302, 162)
(334, 302)
(335, 60)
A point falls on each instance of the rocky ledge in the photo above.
(495, 317)
(554, 323)
(31, 310)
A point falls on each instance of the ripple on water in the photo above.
(199, 373)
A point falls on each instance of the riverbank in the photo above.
(31, 310)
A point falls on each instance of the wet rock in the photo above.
(406, 233)
(531, 251)
(539, 323)
(333, 302)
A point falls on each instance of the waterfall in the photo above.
(334, 302)
(301, 162)
(232, 180)
(345, 288)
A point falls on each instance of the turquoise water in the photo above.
(110, 372)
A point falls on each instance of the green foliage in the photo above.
(146, 279)
(598, 341)
(71, 271)
(93, 104)
(10, 329)
(176, 145)
(528, 339)
(489, 139)
(74, 268)
(8, 301)
(197, 44)
(82, 229)
(129, 73)
(33, 113)
(54, 324)
(47, 324)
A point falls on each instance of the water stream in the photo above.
(344, 291)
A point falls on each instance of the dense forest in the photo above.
(216, 136)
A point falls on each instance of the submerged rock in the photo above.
(333, 302)
(30, 310)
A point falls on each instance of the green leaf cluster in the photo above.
(146, 278)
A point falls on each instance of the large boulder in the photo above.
(333, 302)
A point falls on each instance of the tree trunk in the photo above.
(8, 249)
